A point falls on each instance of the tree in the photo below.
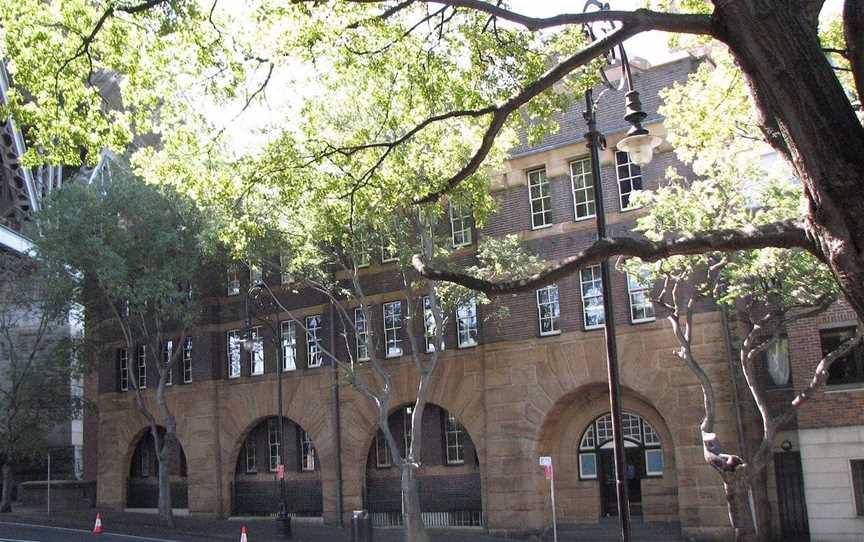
(136, 251)
(38, 364)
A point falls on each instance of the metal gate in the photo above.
(790, 497)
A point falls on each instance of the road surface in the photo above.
(22, 532)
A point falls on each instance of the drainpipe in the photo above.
(336, 417)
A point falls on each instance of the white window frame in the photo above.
(544, 198)
(307, 452)
(555, 319)
(289, 345)
(460, 225)
(314, 354)
(256, 274)
(429, 325)
(382, 446)
(123, 358)
(142, 366)
(392, 327)
(167, 352)
(362, 256)
(662, 460)
(285, 276)
(274, 446)
(361, 334)
(454, 439)
(235, 353)
(582, 474)
(637, 289)
(597, 278)
(631, 177)
(256, 356)
(233, 279)
(251, 454)
(187, 361)
(464, 327)
(406, 428)
(586, 180)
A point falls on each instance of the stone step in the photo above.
(607, 530)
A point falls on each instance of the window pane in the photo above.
(583, 189)
(289, 346)
(588, 466)
(392, 327)
(466, 323)
(256, 360)
(848, 369)
(541, 201)
(361, 334)
(629, 178)
(313, 341)
(654, 462)
(592, 297)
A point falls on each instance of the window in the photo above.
(361, 247)
(256, 275)
(234, 342)
(548, 310)
(142, 367)
(429, 325)
(582, 183)
(144, 462)
(629, 179)
(187, 360)
(273, 443)
(637, 433)
(234, 280)
(361, 334)
(382, 451)
(251, 462)
(654, 462)
(460, 225)
(541, 200)
(256, 360)
(123, 361)
(167, 352)
(592, 297)
(313, 341)
(777, 361)
(289, 346)
(285, 276)
(466, 323)
(406, 429)
(641, 306)
(307, 463)
(454, 437)
(392, 325)
(389, 250)
(850, 368)
(858, 484)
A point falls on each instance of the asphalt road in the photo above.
(22, 532)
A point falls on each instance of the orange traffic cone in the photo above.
(243, 534)
(98, 527)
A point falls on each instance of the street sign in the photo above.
(545, 460)
(549, 472)
(280, 472)
(546, 463)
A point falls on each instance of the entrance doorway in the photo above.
(790, 497)
(608, 491)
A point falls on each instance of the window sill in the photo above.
(455, 463)
(595, 328)
(256, 374)
(464, 346)
(643, 321)
(845, 388)
(550, 333)
(543, 227)
(634, 208)
(584, 218)
(463, 245)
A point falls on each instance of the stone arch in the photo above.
(142, 477)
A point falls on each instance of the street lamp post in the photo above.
(640, 146)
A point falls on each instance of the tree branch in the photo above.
(853, 30)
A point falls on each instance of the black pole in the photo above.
(283, 505)
(595, 143)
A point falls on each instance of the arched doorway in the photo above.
(256, 490)
(142, 489)
(450, 492)
(642, 449)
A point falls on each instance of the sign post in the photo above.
(280, 472)
(546, 463)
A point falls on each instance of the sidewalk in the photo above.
(193, 529)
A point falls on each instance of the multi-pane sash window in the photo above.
(382, 451)
(285, 276)
(592, 297)
(256, 275)
(639, 287)
(361, 334)
(234, 349)
(289, 346)
(142, 367)
(392, 327)
(273, 443)
(460, 225)
(314, 354)
(454, 435)
(429, 325)
(167, 352)
(850, 368)
(541, 200)
(234, 280)
(629, 179)
(466, 323)
(123, 360)
(256, 360)
(584, 205)
(307, 463)
(187, 360)
(251, 462)
(549, 310)
(361, 247)
(406, 429)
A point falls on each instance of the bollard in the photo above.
(284, 519)
(361, 526)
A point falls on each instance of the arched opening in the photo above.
(643, 452)
(258, 480)
(143, 483)
(450, 492)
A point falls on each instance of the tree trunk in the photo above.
(6, 497)
(738, 503)
(165, 511)
(415, 531)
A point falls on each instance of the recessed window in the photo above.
(142, 367)
(429, 325)
(289, 346)
(234, 350)
(234, 279)
(382, 451)
(454, 436)
(314, 353)
(582, 183)
(858, 484)
(592, 297)
(777, 362)
(361, 334)
(167, 352)
(460, 225)
(256, 275)
(641, 306)
(654, 462)
(285, 275)
(406, 429)
(541, 199)
(392, 327)
(123, 361)
(588, 466)
(548, 310)
(187, 360)
(637, 433)
(251, 462)
(466, 323)
(144, 465)
(850, 368)
(307, 449)
(256, 360)
(274, 443)
(629, 179)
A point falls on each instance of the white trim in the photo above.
(257, 342)
(662, 459)
(314, 340)
(582, 474)
(187, 358)
(464, 219)
(640, 288)
(235, 333)
(542, 181)
(630, 164)
(359, 316)
(584, 306)
(397, 341)
(472, 304)
(289, 344)
(590, 176)
(556, 319)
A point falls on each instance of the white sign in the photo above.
(545, 460)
